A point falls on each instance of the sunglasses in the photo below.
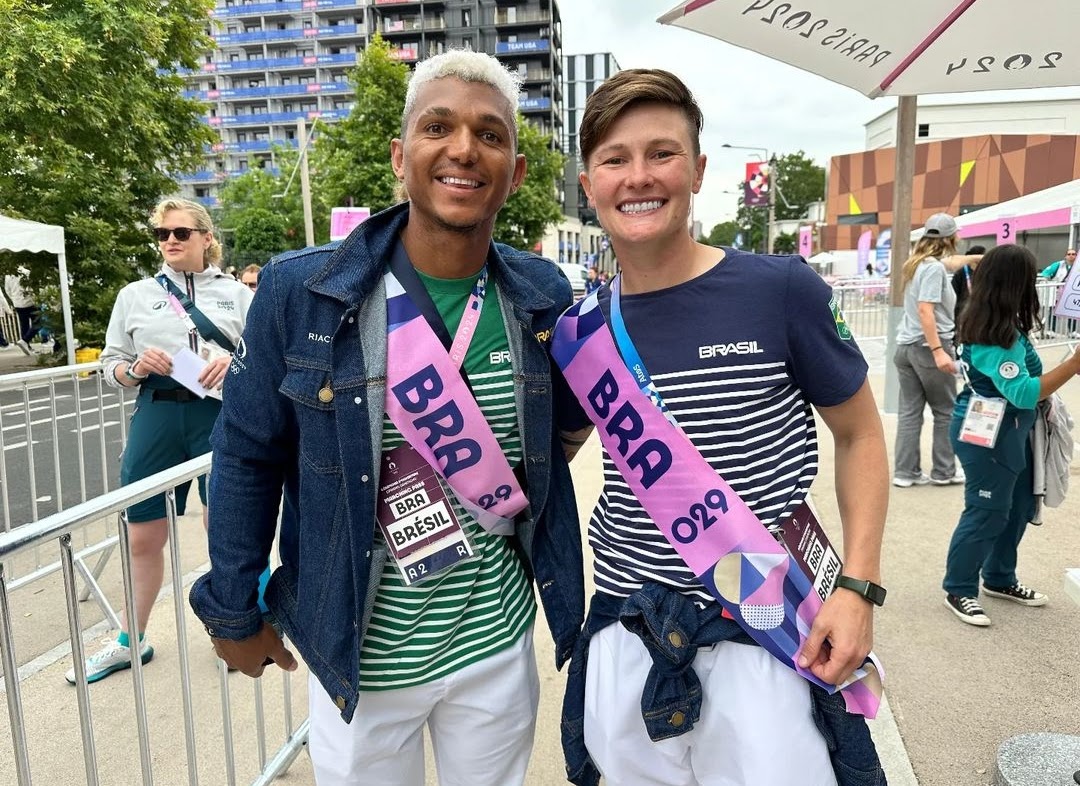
(161, 234)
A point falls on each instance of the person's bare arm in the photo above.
(862, 493)
(573, 440)
(942, 359)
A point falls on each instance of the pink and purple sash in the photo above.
(721, 540)
(430, 404)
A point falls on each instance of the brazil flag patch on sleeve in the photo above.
(842, 328)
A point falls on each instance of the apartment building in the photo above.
(277, 63)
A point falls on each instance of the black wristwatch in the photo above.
(874, 593)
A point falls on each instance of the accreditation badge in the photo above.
(982, 421)
(417, 520)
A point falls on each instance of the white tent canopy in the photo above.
(19, 235)
(1051, 204)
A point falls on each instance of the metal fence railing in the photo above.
(865, 305)
(61, 434)
(57, 531)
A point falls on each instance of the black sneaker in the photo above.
(1017, 593)
(967, 609)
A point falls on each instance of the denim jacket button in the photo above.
(676, 639)
(339, 702)
(326, 395)
(363, 478)
(357, 400)
(677, 719)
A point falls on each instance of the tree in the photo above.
(259, 235)
(800, 181)
(89, 131)
(352, 158)
(535, 206)
(723, 234)
(256, 193)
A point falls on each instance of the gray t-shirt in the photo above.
(930, 285)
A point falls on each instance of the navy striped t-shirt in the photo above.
(739, 354)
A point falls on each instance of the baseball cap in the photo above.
(940, 225)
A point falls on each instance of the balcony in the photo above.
(284, 7)
(527, 105)
(391, 27)
(274, 118)
(255, 146)
(292, 34)
(271, 91)
(278, 63)
(511, 17)
(536, 75)
(533, 46)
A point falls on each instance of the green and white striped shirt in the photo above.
(484, 604)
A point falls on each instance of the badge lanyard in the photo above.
(457, 347)
(982, 420)
(185, 317)
(631, 356)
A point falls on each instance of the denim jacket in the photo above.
(672, 629)
(303, 412)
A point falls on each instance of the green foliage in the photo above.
(801, 182)
(259, 235)
(723, 234)
(88, 131)
(785, 243)
(246, 197)
(352, 157)
(535, 206)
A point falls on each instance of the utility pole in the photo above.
(771, 231)
(305, 182)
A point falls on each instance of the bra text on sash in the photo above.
(443, 422)
(651, 456)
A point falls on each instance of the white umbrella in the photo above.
(903, 48)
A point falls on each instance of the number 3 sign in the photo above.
(1006, 231)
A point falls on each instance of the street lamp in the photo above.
(763, 153)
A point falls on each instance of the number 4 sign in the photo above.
(1068, 304)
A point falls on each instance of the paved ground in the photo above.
(956, 692)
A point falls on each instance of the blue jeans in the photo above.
(655, 614)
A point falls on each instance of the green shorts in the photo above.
(162, 434)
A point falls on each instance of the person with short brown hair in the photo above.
(704, 365)
(249, 277)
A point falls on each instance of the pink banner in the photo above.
(806, 242)
(865, 241)
(344, 220)
(756, 187)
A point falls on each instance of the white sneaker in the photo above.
(906, 483)
(114, 656)
(955, 480)
(24, 347)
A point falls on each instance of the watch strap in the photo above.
(874, 593)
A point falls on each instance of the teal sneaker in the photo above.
(114, 656)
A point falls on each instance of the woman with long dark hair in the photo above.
(991, 423)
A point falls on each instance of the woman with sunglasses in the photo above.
(150, 325)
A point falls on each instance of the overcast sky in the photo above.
(747, 98)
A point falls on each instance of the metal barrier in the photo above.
(865, 305)
(59, 528)
(33, 420)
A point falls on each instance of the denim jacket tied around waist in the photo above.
(672, 628)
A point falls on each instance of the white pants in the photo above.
(756, 727)
(481, 720)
